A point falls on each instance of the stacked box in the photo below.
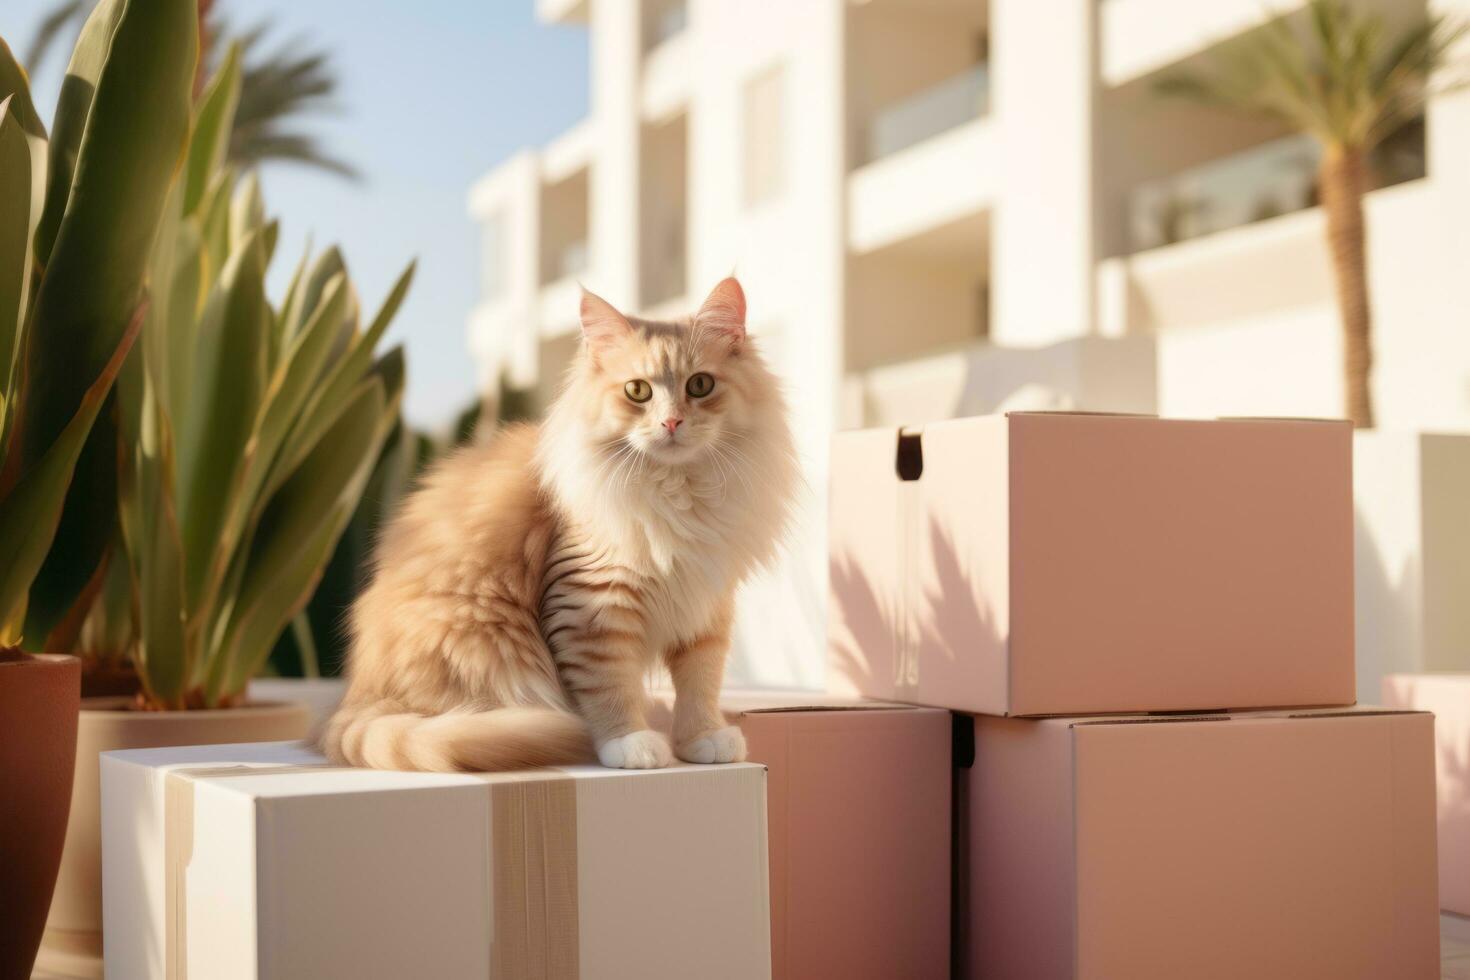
(242, 861)
(1119, 603)
(859, 826)
(1053, 563)
(1447, 695)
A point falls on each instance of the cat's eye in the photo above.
(700, 384)
(638, 390)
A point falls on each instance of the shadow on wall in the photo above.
(1385, 617)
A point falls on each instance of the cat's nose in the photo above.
(672, 423)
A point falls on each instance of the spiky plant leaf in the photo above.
(300, 528)
(210, 142)
(126, 156)
(31, 510)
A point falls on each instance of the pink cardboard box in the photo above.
(1049, 564)
(1284, 845)
(1448, 697)
(858, 804)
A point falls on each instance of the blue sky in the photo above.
(432, 95)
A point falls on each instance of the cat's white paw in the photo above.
(720, 745)
(636, 750)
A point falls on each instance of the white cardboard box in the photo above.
(242, 861)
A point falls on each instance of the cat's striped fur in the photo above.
(522, 594)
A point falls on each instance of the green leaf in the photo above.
(149, 520)
(176, 273)
(214, 223)
(300, 528)
(15, 84)
(272, 233)
(73, 106)
(289, 304)
(229, 378)
(210, 142)
(302, 302)
(29, 513)
(290, 385)
(15, 246)
(125, 158)
(247, 210)
(88, 522)
(332, 396)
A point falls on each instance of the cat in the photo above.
(523, 592)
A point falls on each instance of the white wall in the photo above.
(1044, 59)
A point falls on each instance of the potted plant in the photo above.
(244, 436)
(77, 211)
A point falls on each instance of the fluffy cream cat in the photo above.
(524, 591)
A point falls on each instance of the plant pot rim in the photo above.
(41, 660)
(118, 706)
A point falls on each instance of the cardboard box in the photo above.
(1448, 697)
(859, 808)
(1266, 845)
(239, 861)
(1051, 564)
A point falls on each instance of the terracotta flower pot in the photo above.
(72, 945)
(38, 742)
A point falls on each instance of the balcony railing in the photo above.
(941, 107)
(1265, 181)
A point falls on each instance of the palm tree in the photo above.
(1340, 75)
(276, 86)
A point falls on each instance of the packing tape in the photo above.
(905, 615)
(178, 848)
(533, 828)
(533, 849)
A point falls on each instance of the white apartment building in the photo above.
(944, 207)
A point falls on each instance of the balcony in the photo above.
(563, 216)
(924, 73)
(664, 212)
(1283, 261)
(948, 178)
(977, 378)
(1275, 178)
(935, 110)
(1142, 36)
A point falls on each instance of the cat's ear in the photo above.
(602, 325)
(723, 313)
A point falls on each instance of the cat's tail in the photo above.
(380, 736)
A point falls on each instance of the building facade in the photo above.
(945, 207)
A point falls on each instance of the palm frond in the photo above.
(293, 147)
(1334, 73)
(65, 16)
(280, 86)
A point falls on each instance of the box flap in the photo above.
(1281, 418)
(1078, 411)
(750, 702)
(1353, 711)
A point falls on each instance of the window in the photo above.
(763, 175)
